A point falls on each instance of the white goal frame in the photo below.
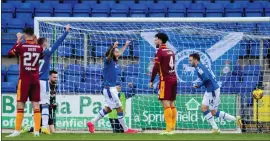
(37, 20)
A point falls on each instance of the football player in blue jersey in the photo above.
(211, 98)
(110, 92)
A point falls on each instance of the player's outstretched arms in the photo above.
(122, 50)
(55, 46)
(15, 49)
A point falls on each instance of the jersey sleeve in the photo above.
(15, 50)
(157, 56)
(51, 50)
(156, 65)
(204, 76)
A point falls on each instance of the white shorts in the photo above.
(212, 99)
(111, 98)
(44, 92)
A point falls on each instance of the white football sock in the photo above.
(121, 120)
(224, 115)
(99, 116)
(210, 118)
(45, 115)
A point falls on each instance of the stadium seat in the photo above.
(64, 51)
(3, 25)
(119, 10)
(74, 69)
(73, 78)
(214, 10)
(100, 50)
(232, 78)
(62, 10)
(244, 87)
(138, 10)
(254, 9)
(196, 10)
(234, 10)
(85, 87)
(13, 69)
(15, 25)
(25, 11)
(79, 50)
(228, 87)
(157, 10)
(100, 10)
(175, 10)
(252, 79)
(12, 78)
(267, 9)
(8, 10)
(5, 47)
(237, 70)
(8, 87)
(93, 70)
(132, 69)
(44, 10)
(252, 70)
(70, 86)
(3, 73)
(81, 10)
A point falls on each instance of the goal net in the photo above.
(236, 49)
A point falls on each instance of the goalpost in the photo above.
(236, 49)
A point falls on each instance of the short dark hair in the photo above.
(163, 37)
(29, 31)
(41, 40)
(195, 56)
(53, 72)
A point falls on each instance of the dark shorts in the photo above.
(28, 88)
(167, 90)
(51, 116)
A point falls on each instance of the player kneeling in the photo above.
(110, 92)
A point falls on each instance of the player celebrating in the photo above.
(211, 98)
(164, 65)
(44, 68)
(28, 85)
(110, 92)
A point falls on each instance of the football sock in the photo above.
(37, 119)
(121, 120)
(168, 118)
(45, 115)
(99, 116)
(174, 117)
(224, 115)
(19, 119)
(209, 117)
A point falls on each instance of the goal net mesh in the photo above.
(236, 52)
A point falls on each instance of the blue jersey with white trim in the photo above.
(207, 77)
(45, 63)
(110, 72)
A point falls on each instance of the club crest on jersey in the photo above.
(184, 71)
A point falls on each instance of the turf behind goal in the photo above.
(236, 49)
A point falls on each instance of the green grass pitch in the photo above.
(110, 136)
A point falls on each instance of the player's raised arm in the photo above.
(15, 49)
(122, 50)
(55, 46)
